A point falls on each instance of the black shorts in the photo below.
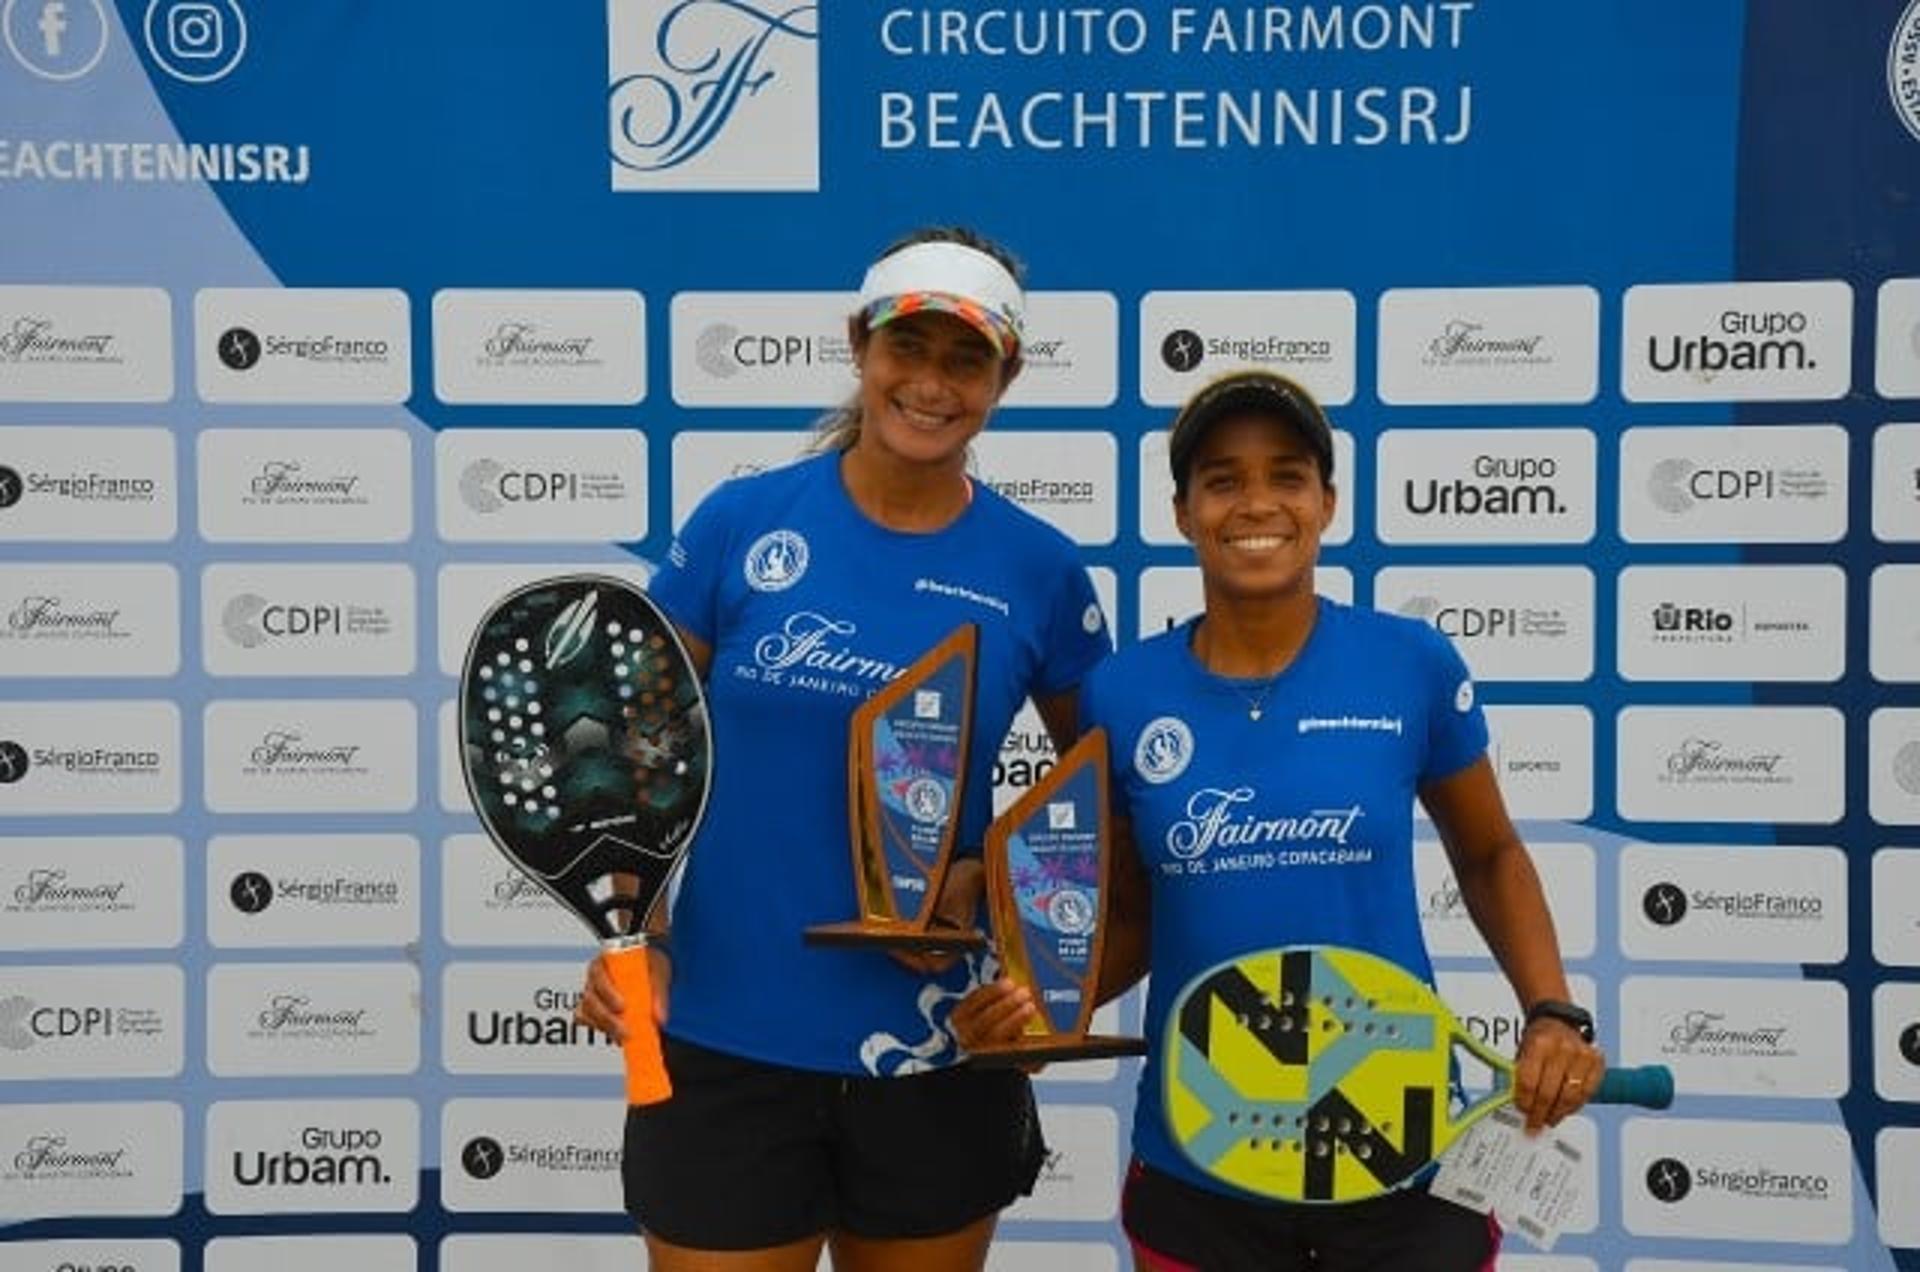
(1175, 1227)
(748, 1155)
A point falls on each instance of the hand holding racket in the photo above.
(1319, 1074)
(583, 730)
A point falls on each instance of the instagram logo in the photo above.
(195, 31)
(196, 41)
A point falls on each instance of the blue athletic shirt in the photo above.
(809, 608)
(1292, 829)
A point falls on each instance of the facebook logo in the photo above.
(55, 39)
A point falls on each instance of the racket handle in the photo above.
(1648, 1085)
(646, 1068)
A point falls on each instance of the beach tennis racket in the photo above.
(1322, 1074)
(584, 735)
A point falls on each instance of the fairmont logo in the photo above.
(284, 481)
(50, 1157)
(809, 647)
(1463, 342)
(31, 338)
(48, 889)
(515, 890)
(48, 616)
(1215, 816)
(1706, 760)
(1706, 1033)
(294, 1016)
(524, 344)
(287, 751)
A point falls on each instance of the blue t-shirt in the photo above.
(1292, 829)
(809, 608)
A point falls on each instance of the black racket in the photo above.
(583, 730)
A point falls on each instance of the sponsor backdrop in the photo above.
(323, 324)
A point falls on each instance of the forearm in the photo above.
(1503, 895)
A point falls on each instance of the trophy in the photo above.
(906, 774)
(1048, 859)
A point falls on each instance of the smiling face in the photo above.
(1255, 507)
(928, 381)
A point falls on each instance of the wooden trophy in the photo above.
(1048, 862)
(906, 776)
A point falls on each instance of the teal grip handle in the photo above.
(1649, 1085)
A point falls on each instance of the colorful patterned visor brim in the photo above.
(1001, 331)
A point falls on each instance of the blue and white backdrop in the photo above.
(321, 324)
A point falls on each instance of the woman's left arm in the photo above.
(1557, 1069)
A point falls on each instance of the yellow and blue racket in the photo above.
(1322, 1074)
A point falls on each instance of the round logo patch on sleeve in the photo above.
(1463, 697)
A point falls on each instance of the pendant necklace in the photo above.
(1256, 702)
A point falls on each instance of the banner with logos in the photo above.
(323, 325)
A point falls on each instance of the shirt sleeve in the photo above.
(687, 584)
(1076, 636)
(1456, 726)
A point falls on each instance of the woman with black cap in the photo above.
(817, 1099)
(1278, 719)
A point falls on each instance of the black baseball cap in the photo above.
(1249, 392)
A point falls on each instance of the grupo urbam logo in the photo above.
(55, 39)
(717, 95)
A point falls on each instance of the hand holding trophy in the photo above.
(1048, 866)
(583, 730)
(906, 776)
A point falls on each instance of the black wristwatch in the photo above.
(1566, 1013)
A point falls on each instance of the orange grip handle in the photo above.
(646, 1068)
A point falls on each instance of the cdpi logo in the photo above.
(715, 95)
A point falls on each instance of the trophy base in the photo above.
(1056, 1047)
(897, 936)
